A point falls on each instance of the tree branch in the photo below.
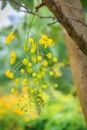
(30, 11)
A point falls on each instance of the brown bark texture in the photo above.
(69, 13)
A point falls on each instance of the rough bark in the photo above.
(76, 42)
(78, 62)
(64, 10)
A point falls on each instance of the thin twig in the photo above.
(39, 6)
(52, 23)
(30, 11)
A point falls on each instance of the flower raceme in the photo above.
(35, 58)
(34, 67)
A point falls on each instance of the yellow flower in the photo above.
(44, 86)
(22, 71)
(50, 42)
(55, 85)
(25, 47)
(2, 111)
(39, 76)
(29, 64)
(49, 55)
(10, 37)
(25, 89)
(9, 106)
(25, 61)
(34, 74)
(36, 81)
(34, 46)
(44, 37)
(32, 50)
(17, 81)
(58, 74)
(13, 57)
(42, 73)
(34, 60)
(25, 82)
(12, 61)
(29, 70)
(45, 63)
(55, 59)
(13, 90)
(9, 74)
(31, 40)
(7, 40)
(41, 41)
(51, 73)
(46, 41)
(39, 58)
(19, 112)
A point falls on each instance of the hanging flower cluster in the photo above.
(34, 68)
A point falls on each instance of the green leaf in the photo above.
(84, 4)
(4, 3)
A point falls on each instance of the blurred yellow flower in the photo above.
(17, 81)
(45, 63)
(12, 57)
(10, 37)
(58, 74)
(26, 47)
(25, 61)
(9, 74)
(8, 106)
(25, 89)
(34, 74)
(22, 71)
(49, 55)
(29, 64)
(29, 70)
(2, 111)
(55, 59)
(34, 59)
(55, 85)
(25, 82)
(39, 57)
(31, 40)
(19, 112)
(51, 73)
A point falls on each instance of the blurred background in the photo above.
(63, 113)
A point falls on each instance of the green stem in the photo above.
(18, 67)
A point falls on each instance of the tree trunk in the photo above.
(78, 62)
(69, 14)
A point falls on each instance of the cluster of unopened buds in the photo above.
(34, 68)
